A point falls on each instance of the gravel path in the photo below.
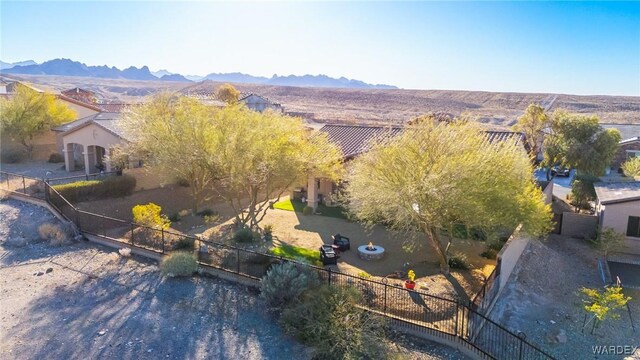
(85, 301)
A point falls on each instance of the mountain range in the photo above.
(67, 67)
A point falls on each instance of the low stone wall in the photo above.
(509, 255)
(579, 225)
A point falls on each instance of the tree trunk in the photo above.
(434, 238)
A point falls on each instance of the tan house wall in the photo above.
(43, 145)
(148, 179)
(81, 111)
(616, 216)
(92, 135)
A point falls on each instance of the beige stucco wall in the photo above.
(616, 216)
(81, 111)
(92, 135)
(148, 178)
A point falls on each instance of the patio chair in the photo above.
(342, 242)
(327, 255)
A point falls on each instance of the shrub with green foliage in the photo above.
(631, 167)
(496, 245)
(244, 235)
(582, 190)
(327, 318)
(489, 254)
(111, 186)
(459, 261)
(185, 244)
(285, 282)
(150, 215)
(56, 158)
(297, 253)
(308, 210)
(179, 263)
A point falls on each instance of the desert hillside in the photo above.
(370, 105)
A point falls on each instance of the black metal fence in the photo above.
(452, 319)
(23, 185)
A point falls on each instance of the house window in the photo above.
(632, 153)
(633, 226)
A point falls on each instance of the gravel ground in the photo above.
(39, 169)
(542, 300)
(85, 301)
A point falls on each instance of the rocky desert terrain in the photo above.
(497, 110)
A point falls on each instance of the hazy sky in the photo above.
(569, 47)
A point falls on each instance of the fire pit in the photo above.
(370, 252)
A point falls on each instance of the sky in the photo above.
(548, 47)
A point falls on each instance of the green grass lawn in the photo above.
(298, 206)
(297, 253)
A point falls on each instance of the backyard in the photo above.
(291, 227)
(86, 301)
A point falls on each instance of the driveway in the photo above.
(561, 184)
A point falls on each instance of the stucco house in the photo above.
(259, 103)
(48, 142)
(618, 207)
(354, 140)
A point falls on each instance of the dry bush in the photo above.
(54, 234)
(4, 195)
(179, 263)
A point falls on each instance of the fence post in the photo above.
(132, 234)
(457, 313)
(238, 256)
(329, 269)
(104, 228)
(77, 219)
(24, 187)
(162, 232)
(521, 336)
(385, 297)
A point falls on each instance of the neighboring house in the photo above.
(628, 149)
(86, 141)
(618, 207)
(259, 103)
(47, 142)
(354, 140)
(82, 95)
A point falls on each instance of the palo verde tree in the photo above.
(532, 124)
(172, 135)
(29, 113)
(437, 175)
(578, 141)
(228, 93)
(257, 157)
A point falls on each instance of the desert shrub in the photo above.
(210, 219)
(285, 282)
(495, 245)
(478, 234)
(307, 210)
(179, 263)
(631, 167)
(364, 275)
(328, 319)
(124, 252)
(183, 182)
(206, 212)
(111, 186)
(459, 261)
(268, 232)
(56, 158)
(489, 254)
(582, 190)
(54, 234)
(150, 215)
(12, 156)
(244, 235)
(175, 217)
(4, 195)
(185, 244)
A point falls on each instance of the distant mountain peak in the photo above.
(68, 67)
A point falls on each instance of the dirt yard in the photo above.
(85, 301)
(542, 301)
(312, 231)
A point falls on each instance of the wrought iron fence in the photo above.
(463, 323)
(23, 185)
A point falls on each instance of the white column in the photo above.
(312, 192)
(86, 161)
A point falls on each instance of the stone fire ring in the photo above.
(365, 254)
